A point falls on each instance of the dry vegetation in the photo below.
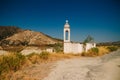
(99, 51)
(103, 50)
(12, 64)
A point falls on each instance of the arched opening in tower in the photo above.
(66, 35)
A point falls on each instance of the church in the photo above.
(74, 47)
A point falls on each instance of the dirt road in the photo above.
(101, 68)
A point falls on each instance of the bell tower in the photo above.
(67, 43)
(66, 32)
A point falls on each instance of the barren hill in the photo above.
(7, 31)
(28, 37)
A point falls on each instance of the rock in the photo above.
(30, 50)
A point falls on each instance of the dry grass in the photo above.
(34, 64)
(58, 56)
(10, 63)
(103, 50)
(13, 48)
(52, 57)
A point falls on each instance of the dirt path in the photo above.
(33, 72)
(84, 68)
(101, 68)
(73, 69)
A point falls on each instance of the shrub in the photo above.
(103, 50)
(112, 48)
(11, 62)
(33, 57)
(83, 54)
(44, 55)
(92, 52)
(95, 50)
(58, 47)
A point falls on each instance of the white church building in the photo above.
(73, 47)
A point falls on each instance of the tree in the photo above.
(88, 39)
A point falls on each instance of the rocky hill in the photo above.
(7, 31)
(28, 37)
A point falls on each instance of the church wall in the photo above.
(89, 46)
(67, 47)
(77, 48)
(74, 48)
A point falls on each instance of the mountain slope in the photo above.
(28, 37)
(7, 31)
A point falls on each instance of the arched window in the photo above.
(66, 35)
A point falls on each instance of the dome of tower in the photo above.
(66, 24)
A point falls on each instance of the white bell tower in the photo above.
(66, 32)
(67, 43)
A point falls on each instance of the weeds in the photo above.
(11, 62)
(33, 57)
(95, 51)
(44, 55)
(83, 54)
(91, 52)
(112, 48)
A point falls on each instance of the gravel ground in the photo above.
(33, 72)
(106, 67)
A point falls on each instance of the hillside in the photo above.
(28, 37)
(7, 31)
(115, 43)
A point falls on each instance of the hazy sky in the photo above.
(98, 18)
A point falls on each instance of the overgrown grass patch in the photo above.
(44, 55)
(112, 48)
(103, 50)
(33, 58)
(91, 52)
(11, 63)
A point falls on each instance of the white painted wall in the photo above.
(75, 48)
(67, 47)
(89, 46)
(50, 50)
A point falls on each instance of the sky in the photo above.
(97, 18)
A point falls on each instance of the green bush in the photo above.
(92, 52)
(58, 47)
(44, 55)
(95, 50)
(112, 48)
(12, 62)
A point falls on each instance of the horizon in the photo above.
(99, 19)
